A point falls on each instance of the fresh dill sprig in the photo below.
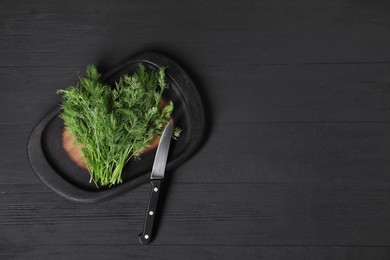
(115, 123)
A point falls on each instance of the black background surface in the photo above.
(296, 164)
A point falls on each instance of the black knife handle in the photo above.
(147, 234)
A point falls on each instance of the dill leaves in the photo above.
(115, 123)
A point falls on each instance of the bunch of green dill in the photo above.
(115, 123)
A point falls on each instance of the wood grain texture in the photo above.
(277, 152)
(301, 93)
(323, 214)
(296, 163)
(73, 149)
(198, 252)
(63, 33)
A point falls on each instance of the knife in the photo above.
(156, 179)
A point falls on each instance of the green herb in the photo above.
(115, 124)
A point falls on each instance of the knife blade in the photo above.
(156, 180)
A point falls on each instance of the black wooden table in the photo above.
(296, 163)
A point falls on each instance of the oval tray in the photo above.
(56, 169)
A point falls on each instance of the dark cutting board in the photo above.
(57, 162)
